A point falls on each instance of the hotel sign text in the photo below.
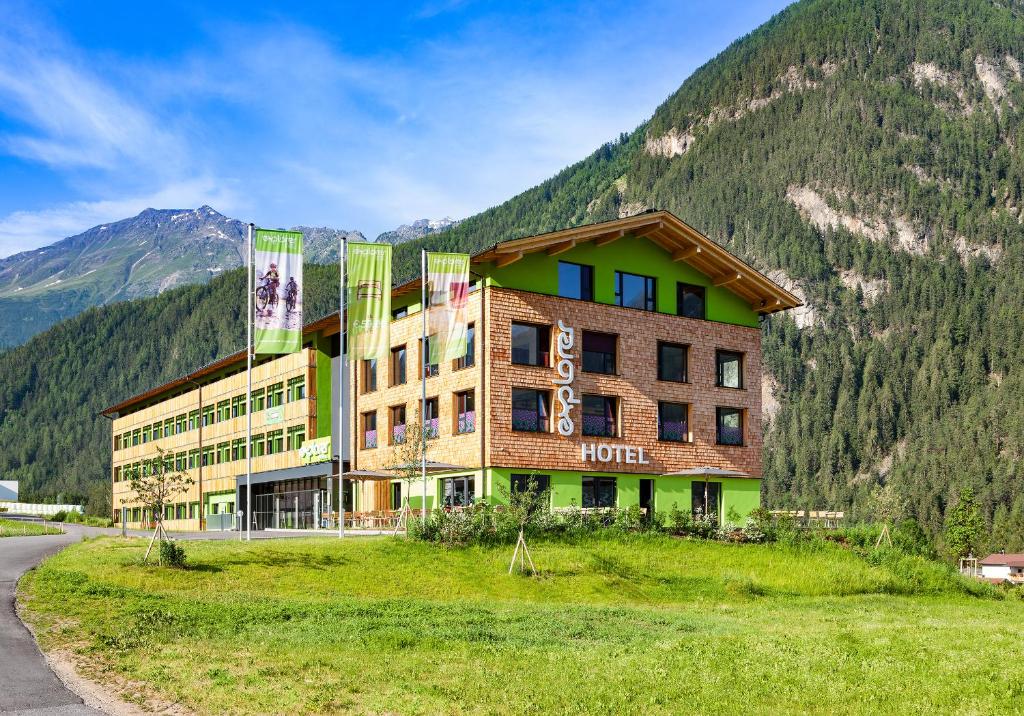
(566, 394)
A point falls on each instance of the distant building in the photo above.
(8, 490)
(1003, 568)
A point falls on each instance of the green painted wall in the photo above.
(539, 272)
(325, 407)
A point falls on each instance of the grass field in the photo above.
(24, 528)
(642, 625)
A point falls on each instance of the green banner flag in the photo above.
(277, 297)
(368, 303)
(448, 295)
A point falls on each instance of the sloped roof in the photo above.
(680, 240)
(1010, 560)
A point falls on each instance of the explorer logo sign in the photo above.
(566, 394)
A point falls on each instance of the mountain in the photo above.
(141, 256)
(417, 230)
(321, 244)
(867, 154)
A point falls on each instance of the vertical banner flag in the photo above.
(448, 294)
(277, 271)
(368, 303)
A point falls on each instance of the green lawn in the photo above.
(23, 528)
(630, 625)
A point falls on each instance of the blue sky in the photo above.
(337, 114)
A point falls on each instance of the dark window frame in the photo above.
(469, 359)
(396, 363)
(586, 281)
(593, 366)
(616, 417)
(542, 399)
(686, 361)
(596, 483)
(682, 289)
(719, 375)
(685, 437)
(650, 291)
(719, 412)
(543, 344)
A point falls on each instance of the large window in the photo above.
(600, 416)
(672, 362)
(599, 352)
(370, 430)
(729, 369)
(432, 421)
(598, 492)
(397, 418)
(296, 389)
(521, 482)
(575, 281)
(469, 359)
(369, 377)
(690, 300)
(457, 491)
(531, 344)
(465, 412)
(398, 366)
(635, 291)
(706, 498)
(672, 422)
(530, 410)
(730, 426)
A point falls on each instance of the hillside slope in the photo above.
(866, 154)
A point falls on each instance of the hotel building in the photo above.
(617, 363)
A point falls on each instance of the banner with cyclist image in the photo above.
(277, 272)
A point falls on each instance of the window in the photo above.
(728, 369)
(208, 456)
(296, 436)
(370, 430)
(599, 352)
(368, 380)
(275, 395)
(208, 415)
(672, 422)
(259, 446)
(179, 424)
(730, 426)
(432, 369)
(400, 313)
(179, 462)
(530, 410)
(117, 442)
(689, 300)
(193, 510)
(145, 434)
(117, 474)
(158, 430)
(257, 401)
(193, 459)
(136, 434)
(397, 418)
(599, 492)
(575, 281)
(193, 420)
(431, 422)
(600, 416)
(275, 442)
(634, 291)
(458, 491)
(238, 406)
(530, 344)
(469, 359)
(465, 412)
(238, 449)
(223, 410)
(521, 483)
(396, 495)
(223, 452)
(672, 362)
(398, 366)
(706, 498)
(296, 389)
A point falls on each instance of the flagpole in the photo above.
(342, 378)
(423, 381)
(248, 393)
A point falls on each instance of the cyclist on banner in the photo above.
(291, 293)
(271, 280)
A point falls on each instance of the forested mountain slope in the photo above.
(867, 154)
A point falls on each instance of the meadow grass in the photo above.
(25, 528)
(635, 625)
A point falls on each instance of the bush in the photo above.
(172, 554)
(59, 516)
(73, 517)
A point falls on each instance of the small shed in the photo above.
(1003, 567)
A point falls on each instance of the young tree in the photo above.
(410, 449)
(965, 527)
(156, 488)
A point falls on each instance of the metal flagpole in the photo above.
(423, 381)
(342, 378)
(248, 393)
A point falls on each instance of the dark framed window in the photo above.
(600, 416)
(635, 291)
(465, 412)
(673, 424)
(706, 498)
(672, 362)
(575, 281)
(531, 344)
(469, 359)
(369, 375)
(370, 430)
(729, 423)
(396, 495)
(599, 492)
(728, 369)
(530, 410)
(458, 491)
(520, 482)
(690, 301)
(432, 368)
(398, 366)
(431, 421)
(599, 352)
(400, 313)
(397, 417)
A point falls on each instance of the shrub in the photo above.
(60, 516)
(73, 517)
(172, 554)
